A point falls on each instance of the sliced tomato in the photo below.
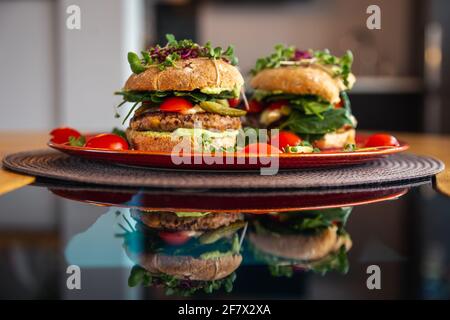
(261, 148)
(381, 140)
(234, 102)
(284, 139)
(174, 238)
(175, 104)
(62, 134)
(254, 106)
(107, 141)
(277, 104)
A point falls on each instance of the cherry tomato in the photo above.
(339, 105)
(284, 139)
(107, 141)
(62, 135)
(175, 104)
(261, 148)
(381, 140)
(234, 102)
(277, 104)
(254, 106)
(275, 217)
(174, 238)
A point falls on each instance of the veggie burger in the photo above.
(184, 252)
(304, 92)
(311, 240)
(179, 87)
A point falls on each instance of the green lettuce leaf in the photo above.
(330, 121)
(311, 105)
(158, 97)
(282, 267)
(308, 221)
(179, 287)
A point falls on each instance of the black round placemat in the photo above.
(55, 165)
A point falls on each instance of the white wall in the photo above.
(94, 62)
(27, 65)
(51, 76)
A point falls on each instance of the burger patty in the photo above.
(165, 121)
(169, 220)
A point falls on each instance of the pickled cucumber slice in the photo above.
(213, 236)
(218, 108)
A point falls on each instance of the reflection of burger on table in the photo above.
(303, 93)
(179, 86)
(308, 240)
(184, 252)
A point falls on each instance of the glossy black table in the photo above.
(47, 227)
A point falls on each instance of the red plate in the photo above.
(226, 202)
(329, 158)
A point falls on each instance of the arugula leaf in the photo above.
(332, 120)
(312, 116)
(311, 105)
(119, 132)
(336, 261)
(349, 147)
(339, 215)
(341, 66)
(147, 58)
(171, 39)
(133, 107)
(135, 62)
(174, 50)
(282, 267)
(137, 275)
(281, 53)
(308, 221)
(158, 97)
(77, 142)
(281, 271)
(346, 102)
(180, 287)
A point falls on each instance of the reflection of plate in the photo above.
(240, 161)
(226, 201)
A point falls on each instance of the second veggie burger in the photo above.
(178, 86)
(304, 92)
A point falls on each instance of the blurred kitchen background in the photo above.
(51, 75)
